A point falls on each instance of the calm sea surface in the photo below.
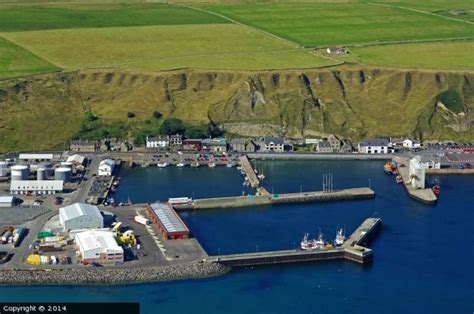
(423, 263)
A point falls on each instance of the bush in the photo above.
(130, 115)
(157, 115)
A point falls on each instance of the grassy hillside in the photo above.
(45, 111)
(446, 55)
(166, 47)
(24, 18)
(319, 24)
(16, 61)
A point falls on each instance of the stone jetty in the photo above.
(110, 276)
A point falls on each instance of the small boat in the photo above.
(399, 179)
(229, 165)
(144, 165)
(340, 238)
(320, 241)
(195, 164)
(387, 168)
(436, 189)
(181, 164)
(261, 177)
(239, 168)
(162, 164)
(211, 165)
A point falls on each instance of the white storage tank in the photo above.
(4, 169)
(20, 172)
(66, 164)
(63, 173)
(41, 174)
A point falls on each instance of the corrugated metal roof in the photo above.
(92, 240)
(168, 218)
(36, 156)
(6, 199)
(79, 209)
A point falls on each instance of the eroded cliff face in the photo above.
(351, 102)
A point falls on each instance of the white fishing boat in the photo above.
(162, 164)
(144, 165)
(229, 165)
(181, 164)
(195, 164)
(211, 164)
(313, 244)
(340, 237)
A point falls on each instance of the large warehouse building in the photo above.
(80, 216)
(36, 186)
(168, 221)
(99, 247)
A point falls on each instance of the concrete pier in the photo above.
(449, 171)
(353, 249)
(249, 172)
(276, 199)
(426, 196)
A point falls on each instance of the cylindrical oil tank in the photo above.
(48, 168)
(41, 174)
(20, 172)
(66, 164)
(63, 173)
(4, 169)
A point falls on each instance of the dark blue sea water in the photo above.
(423, 262)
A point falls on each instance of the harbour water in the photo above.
(422, 263)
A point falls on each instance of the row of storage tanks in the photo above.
(44, 171)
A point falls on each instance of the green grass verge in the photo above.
(25, 18)
(224, 46)
(441, 55)
(16, 61)
(343, 24)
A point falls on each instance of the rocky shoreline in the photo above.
(110, 276)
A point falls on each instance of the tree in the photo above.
(172, 126)
(193, 131)
(157, 114)
(130, 115)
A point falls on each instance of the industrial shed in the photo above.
(168, 221)
(36, 186)
(99, 247)
(80, 216)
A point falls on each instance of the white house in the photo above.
(80, 216)
(36, 186)
(106, 167)
(99, 246)
(417, 173)
(409, 143)
(273, 144)
(157, 142)
(374, 146)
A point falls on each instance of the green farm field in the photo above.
(16, 61)
(62, 16)
(446, 55)
(224, 46)
(343, 24)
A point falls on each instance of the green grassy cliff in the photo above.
(44, 111)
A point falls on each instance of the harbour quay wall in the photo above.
(279, 257)
(318, 156)
(110, 276)
(276, 199)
